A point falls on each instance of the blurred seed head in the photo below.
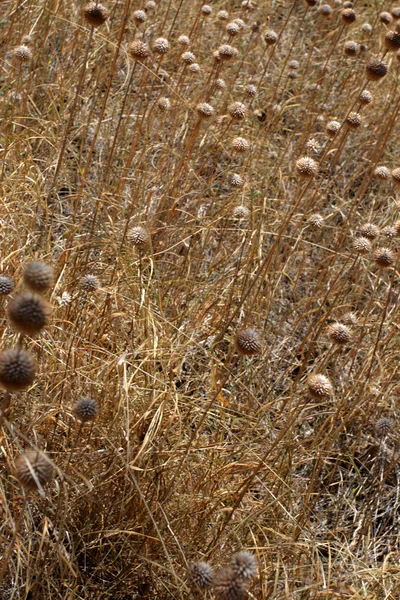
(361, 245)
(184, 40)
(365, 97)
(339, 333)
(223, 15)
(389, 232)
(240, 145)
(17, 369)
(348, 16)
(160, 46)
(270, 37)
(392, 41)
(307, 167)
(351, 48)
(367, 28)
(248, 341)
(237, 111)
(384, 258)
(220, 84)
(139, 50)
(150, 5)
(26, 40)
(332, 128)
(139, 237)
(232, 29)
(38, 276)
(241, 212)
(28, 313)
(385, 18)
(89, 283)
(396, 176)
(382, 173)
(293, 64)
(139, 16)
(188, 58)
(314, 146)
(204, 110)
(383, 427)
(369, 231)
(244, 566)
(325, 10)
(206, 10)
(235, 180)
(194, 68)
(227, 586)
(316, 221)
(226, 52)
(349, 318)
(22, 53)
(319, 386)
(375, 69)
(95, 14)
(6, 286)
(33, 469)
(395, 12)
(353, 120)
(86, 409)
(164, 103)
(200, 575)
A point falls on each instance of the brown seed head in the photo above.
(244, 566)
(223, 15)
(226, 52)
(389, 232)
(237, 111)
(384, 258)
(22, 53)
(369, 231)
(349, 318)
(361, 245)
(163, 103)
(385, 18)
(383, 427)
(29, 313)
(307, 167)
(232, 29)
(33, 470)
(38, 276)
(188, 58)
(339, 333)
(150, 5)
(316, 220)
(392, 41)
(17, 369)
(248, 341)
(348, 16)
(227, 586)
(397, 228)
(160, 46)
(206, 10)
(139, 16)
(396, 176)
(395, 12)
(95, 14)
(332, 128)
(204, 110)
(251, 90)
(200, 575)
(184, 40)
(138, 50)
(365, 97)
(367, 28)
(139, 237)
(89, 283)
(220, 84)
(325, 10)
(194, 68)
(351, 48)
(375, 69)
(6, 286)
(319, 386)
(353, 120)
(86, 409)
(241, 212)
(270, 37)
(240, 145)
(382, 173)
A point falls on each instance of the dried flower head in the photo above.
(89, 283)
(226, 52)
(361, 245)
(194, 68)
(38, 276)
(270, 37)
(6, 286)
(206, 10)
(163, 103)
(307, 167)
(223, 15)
(339, 333)
(389, 232)
(139, 16)
(367, 28)
(392, 41)
(383, 427)
(396, 176)
(332, 128)
(29, 313)
(313, 145)
(240, 145)
(241, 212)
(220, 84)
(235, 180)
(351, 48)
(188, 58)
(237, 111)
(375, 69)
(204, 110)
(138, 50)
(319, 386)
(227, 586)
(139, 236)
(86, 409)
(248, 341)
(316, 220)
(150, 5)
(251, 90)
(348, 16)
(22, 53)
(160, 46)
(232, 28)
(365, 97)
(33, 470)
(17, 369)
(385, 18)
(349, 318)
(26, 40)
(353, 120)
(184, 40)
(244, 566)
(95, 14)
(382, 173)
(395, 12)
(369, 231)
(200, 575)
(325, 10)
(384, 257)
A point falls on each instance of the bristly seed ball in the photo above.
(240, 145)
(200, 574)
(194, 68)
(227, 586)
(38, 276)
(325, 10)
(361, 245)
(139, 16)
(307, 167)
(383, 427)
(316, 220)
(375, 69)
(138, 50)
(348, 16)
(184, 40)
(206, 10)
(332, 128)
(235, 180)
(26, 40)
(365, 97)
(220, 84)
(95, 14)
(270, 37)
(389, 232)
(240, 23)
(89, 283)
(232, 29)
(382, 173)
(396, 176)
(188, 58)
(241, 212)
(353, 120)
(204, 110)
(384, 257)
(139, 236)
(248, 341)
(349, 318)
(29, 313)
(223, 15)
(22, 53)
(244, 566)
(163, 103)
(17, 369)
(319, 386)
(6, 286)
(85, 409)
(395, 12)
(150, 5)
(392, 41)
(385, 18)
(160, 46)
(226, 52)
(33, 470)
(339, 333)
(237, 111)
(369, 231)
(251, 90)
(351, 48)
(293, 64)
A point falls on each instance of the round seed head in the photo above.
(395, 12)
(383, 427)
(248, 341)
(17, 369)
(26, 40)
(204, 110)
(223, 15)
(339, 333)
(138, 50)
(139, 16)
(382, 173)
(349, 318)
(365, 97)
(313, 145)
(367, 28)
(332, 128)
(237, 111)
(28, 313)
(351, 48)
(294, 65)
(240, 145)
(270, 37)
(389, 232)
(22, 53)
(241, 212)
(353, 120)
(188, 58)
(385, 18)
(361, 245)
(86, 409)
(38, 276)
(235, 180)
(375, 69)
(220, 84)
(150, 5)
(194, 68)
(33, 470)
(227, 586)
(139, 237)
(184, 40)
(348, 16)
(89, 283)
(307, 167)
(160, 46)
(384, 258)
(232, 28)
(95, 14)
(226, 52)
(200, 575)
(164, 103)
(325, 10)
(316, 220)
(293, 75)
(6, 286)
(396, 176)
(319, 386)
(206, 10)
(369, 231)
(244, 566)
(251, 90)
(363, 47)
(255, 26)
(392, 41)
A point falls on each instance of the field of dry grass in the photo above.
(217, 190)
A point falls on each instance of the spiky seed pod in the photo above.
(395, 12)
(361, 245)
(270, 37)
(95, 14)
(139, 237)
(365, 97)
(222, 15)
(204, 110)
(89, 283)
(232, 29)
(160, 46)
(6, 286)
(200, 575)
(240, 145)
(163, 103)
(349, 318)
(385, 18)
(206, 10)
(353, 120)
(293, 64)
(244, 566)
(293, 75)
(351, 48)
(139, 50)
(240, 23)
(248, 341)
(369, 231)
(348, 16)
(85, 409)
(251, 90)
(235, 180)
(226, 52)
(396, 176)
(332, 128)
(139, 16)
(389, 232)
(241, 212)
(22, 53)
(339, 333)
(319, 386)
(29, 313)
(184, 40)
(392, 41)
(194, 68)
(26, 40)
(38, 276)
(188, 58)
(220, 84)
(33, 469)
(316, 220)
(237, 111)
(383, 427)
(384, 258)
(307, 167)
(375, 69)
(382, 173)
(150, 5)
(313, 145)
(227, 586)
(17, 369)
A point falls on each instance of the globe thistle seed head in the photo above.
(396, 176)
(349, 318)
(17, 369)
(26, 40)
(383, 427)
(382, 173)
(316, 221)
(160, 46)
(89, 283)
(339, 333)
(248, 341)
(255, 26)
(293, 75)
(150, 5)
(220, 84)
(325, 10)
(241, 212)
(237, 111)
(251, 90)
(33, 470)
(367, 28)
(28, 313)
(385, 18)
(223, 15)
(389, 232)
(361, 245)
(384, 258)
(200, 575)
(232, 29)
(293, 64)
(307, 167)
(270, 37)
(395, 12)
(332, 128)
(392, 41)
(163, 103)
(365, 97)
(86, 409)
(227, 586)
(240, 145)
(353, 120)
(184, 40)
(22, 53)
(138, 50)
(139, 16)
(95, 14)
(369, 231)
(204, 110)
(188, 58)
(6, 286)
(375, 69)
(240, 23)
(194, 68)
(226, 52)
(139, 237)
(319, 386)
(351, 48)
(206, 10)
(235, 180)
(348, 16)
(244, 566)
(313, 145)
(38, 276)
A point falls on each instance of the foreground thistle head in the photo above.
(17, 369)
(95, 14)
(339, 333)
(383, 427)
(22, 53)
(375, 69)
(319, 386)
(33, 470)
(89, 283)
(139, 237)
(307, 167)
(38, 276)
(29, 313)
(248, 341)
(86, 409)
(200, 575)
(244, 566)
(138, 50)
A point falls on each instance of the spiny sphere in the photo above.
(392, 41)
(86, 409)
(248, 341)
(369, 231)
(349, 318)
(220, 84)
(270, 37)
(139, 16)
(365, 97)
(29, 313)
(150, 5)
(316, 220)
(206, 10)
(240, 23)
(38, 276)
(389, 231)
(164, 103)
(307, 167)
(332, 128)
(240, 145)
(293, 64)
(89, 283)
(384, 257)
(237, 111)
(232, 29)
(184, 40)
(235, 180)
(241, 212)
(138, 236)
(396, 176)
(17, 369)
(6, 286)
(383, 427)
(226, 52)
(339, 333)
(204, 110)
(227, 586)
(194, 68)
(351, 48)
(138, 50)
(251, 90)
(244, 566)
(200, 574)
(95, 14)
(361, 245)
(22, 53)
(353, 120)
(319, 386)
(188, 58)
(325, 10)
(348, 16)
(375, 69)
(160, 46)
(382, 173)
(223, 15)
(33, 469)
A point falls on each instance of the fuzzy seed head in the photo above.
(396, 176)
(86, 409)
(227, 586)
(382, 173)
(361, 245)
(351, 48)
(200, 575)
(248, 342)
(220, 84)
(348, 16)
(33, 470)
(139, 16)
(392, 41)
(6, 286)
(139, 237)
(17, 369)
(29, 313)
(241, 212)
(38, 276)
(395, 12)
(389, 232)
(384, 258)
(270, 37)
(188, 58)
(206, 10)
(237, 111)
(385, 18)
(26, 40)
(349, 318)
(353, 120)
(164, 103)
(325, 10)
(316, 220)
(339, 333)
(184, 40)
(251, 90)
(307, 167)
(222, 15)
(240, 145)
(95, 14)
(293, 64)
(319, 386)
(365, 97)
(160, 46)
(226, 52)
(383, 427)
(367, 28)
(194, 68)
(369, 231)
(232, 29)
(313, 146)
(22, 53)
(332, 128)
(138, 50)
(89, 283)
(375, 69)
(204, 110)
(244, 566)
(235, 180)
(150, 5)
